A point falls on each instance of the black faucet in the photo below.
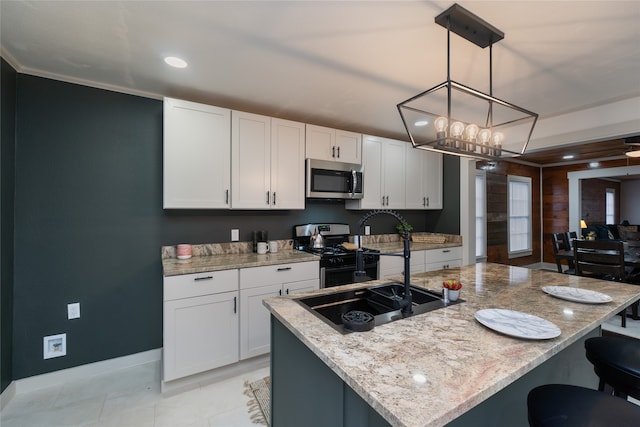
(405, 302)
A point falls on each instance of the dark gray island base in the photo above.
(441, 368)
(306, 392)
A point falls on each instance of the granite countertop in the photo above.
(201, 264)
(398, 247)
(464, 362)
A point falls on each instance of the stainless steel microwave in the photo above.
(334, 180)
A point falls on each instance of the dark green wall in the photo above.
(7, 157)
(90, 223)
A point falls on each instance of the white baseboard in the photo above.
(7, 395)
(79, 372)
(170, 388)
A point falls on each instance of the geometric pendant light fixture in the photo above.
(456, 119)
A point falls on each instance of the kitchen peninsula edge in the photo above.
(442, 367)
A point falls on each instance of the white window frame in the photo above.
(528, 250)
(481, 220)
(610, 208)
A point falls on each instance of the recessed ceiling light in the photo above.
(175, 62)
(635, 153)
(594, 164)
(421, 123)
(568, 156)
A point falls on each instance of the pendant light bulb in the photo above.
(484, 136)
(456, 129)
(471, 131)
(441, 124)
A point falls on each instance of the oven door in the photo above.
(335, 276)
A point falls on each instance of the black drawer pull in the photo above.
(446, 250)
(284, 268)
(204, 278)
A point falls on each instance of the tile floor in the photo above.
(131, 398)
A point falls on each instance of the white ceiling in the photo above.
(344, 64)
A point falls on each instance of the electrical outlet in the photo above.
(235, 234)
(73, 310)
(367, 230)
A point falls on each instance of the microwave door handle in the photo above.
(354, 182)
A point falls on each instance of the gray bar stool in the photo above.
(558, 405)
(616, 361)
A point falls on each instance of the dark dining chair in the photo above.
(601, 259)
(571, 236)
(561, 243)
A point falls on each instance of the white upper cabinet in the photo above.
(250, 161)
(335, 145)
(423, 179)
(196, 156)
(384, 183)
(287, 164)
(267, 157)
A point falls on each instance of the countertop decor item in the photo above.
(517, 324)
(453, 286)
(470, 123)
(570, 293)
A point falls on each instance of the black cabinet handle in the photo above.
(287, 291)
(280, 292)
(267, 197)
(444, 251)
(338, 152)
(226, 197)
(235, 304)
(203, 278)
(333, 151)
(283, 268)
(274, 198)
(427, 201)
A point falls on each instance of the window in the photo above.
(519, 220)
(611, 206)
(481, 214)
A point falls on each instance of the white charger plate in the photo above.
(577, 295)
(517, 324)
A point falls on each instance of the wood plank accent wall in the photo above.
(555, 199)
(594, 208)
(497, 212)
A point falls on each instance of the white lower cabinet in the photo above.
(201, 322)
(421, 261)
(438, 259)
(258, 283)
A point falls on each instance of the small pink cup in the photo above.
(183, 251)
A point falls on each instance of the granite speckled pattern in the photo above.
(391, 243)
(201, 264)
(463, 362)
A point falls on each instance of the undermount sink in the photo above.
(377, 300)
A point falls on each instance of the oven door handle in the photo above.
(322, 277)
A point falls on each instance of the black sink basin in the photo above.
(376, 300)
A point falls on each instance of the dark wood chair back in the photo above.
(561, 243)
(599, 258)
(571, 236)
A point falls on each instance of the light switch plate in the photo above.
(367, 230)
(73, 310)
(235, 235)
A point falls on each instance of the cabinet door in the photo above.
(287, 164)
(348, 146)
(415, 176)
(391, 266)
(302, 286)
(372, 147)
(320, 142)
(197, 156)
(393, 174)
(254, 320)
(433, 180)
(200, 333)
(251, 161)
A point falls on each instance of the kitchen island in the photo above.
(438, 368)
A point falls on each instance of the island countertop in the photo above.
(463, 362)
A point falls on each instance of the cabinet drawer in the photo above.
(282, 273)
(443, 265)
(443, 254)
(193, 285)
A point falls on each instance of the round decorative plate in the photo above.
(577, 295)
(517, 324)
